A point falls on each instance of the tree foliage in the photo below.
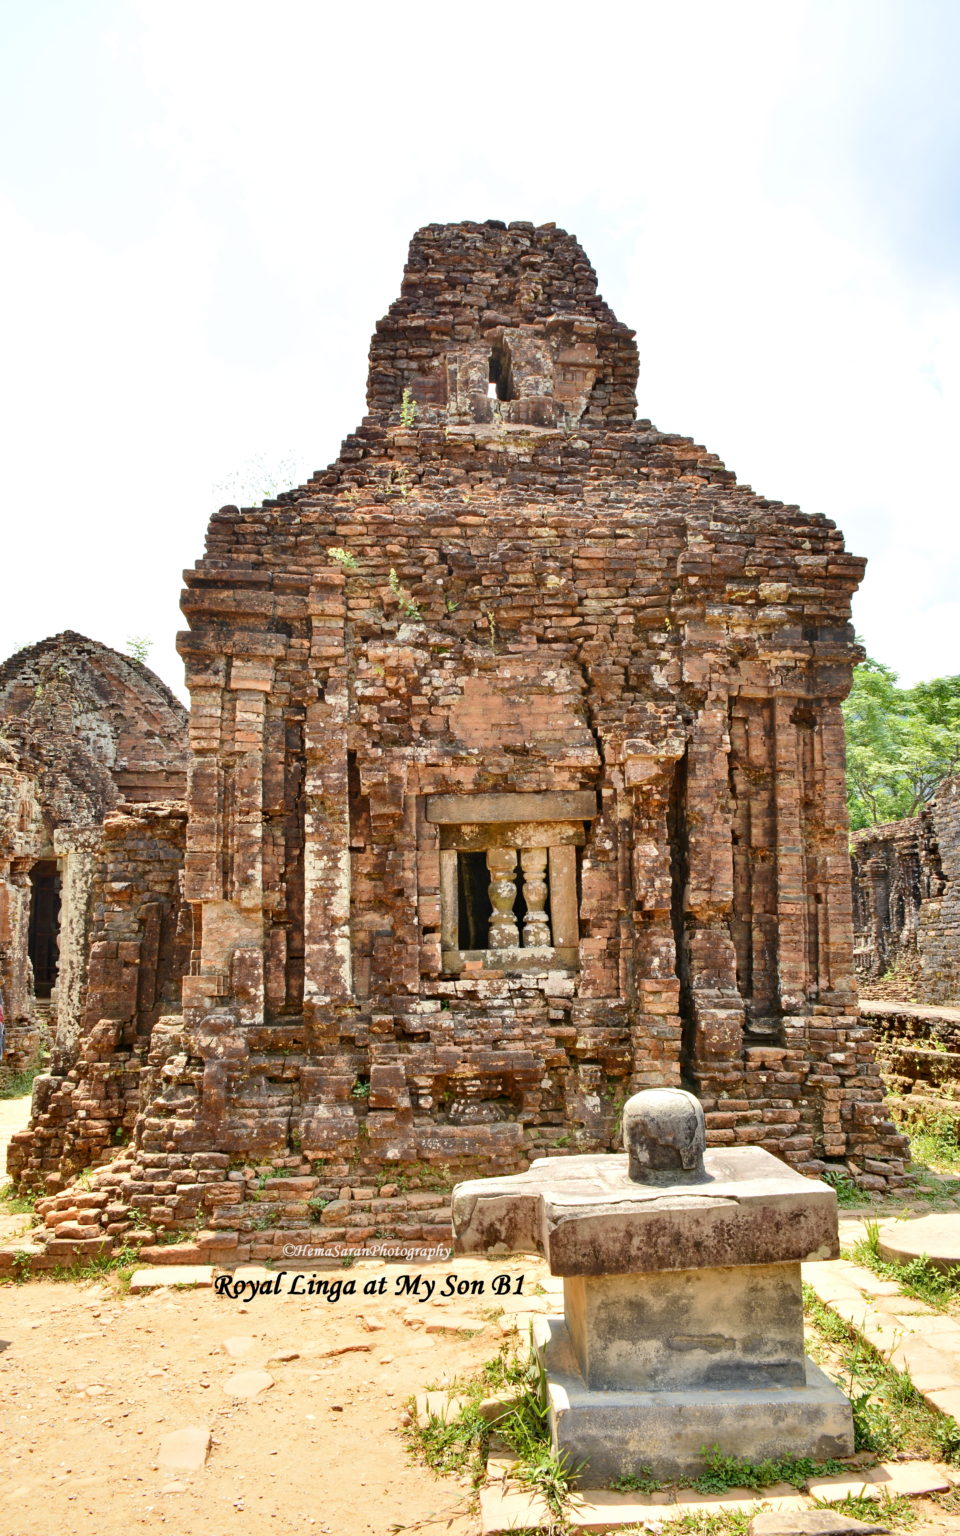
(901, 742)
(139, 647)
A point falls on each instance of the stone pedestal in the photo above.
(665, 1431)
(683, 1316)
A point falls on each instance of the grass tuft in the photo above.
(641, 1481)
(18, 1084)
(17, 1205)
(919, 1278)
(697, 1522)
(934, 1137)
(846, 1191)
(722, 1471)
(460, 1445)
(895, 1512)
(889, 1415)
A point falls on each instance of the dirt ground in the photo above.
(92, 1381)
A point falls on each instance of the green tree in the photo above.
(901, 742)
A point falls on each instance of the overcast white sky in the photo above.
(205, 207)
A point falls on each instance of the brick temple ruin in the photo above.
(516, 785)
(90, 866)
(906, 902)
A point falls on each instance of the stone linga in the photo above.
(683, 1311)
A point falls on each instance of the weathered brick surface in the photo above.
(136, 952)
(906, 895)
(21, 835)
(87, 736)
(536, 594)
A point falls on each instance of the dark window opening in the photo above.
(474, 907)
(42, 942)
(359, 805)
(501, 373)
(473, 900)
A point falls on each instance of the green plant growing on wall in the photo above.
(409, 409)
(266, 1221)
(21, 1265)
(398, 481)
(343, 558)
(406, 599)
(846, 1190)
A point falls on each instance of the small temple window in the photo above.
(502, 898)
(43, 944)
(508, 879)
(501, 373)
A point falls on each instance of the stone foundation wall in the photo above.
(918, 1051)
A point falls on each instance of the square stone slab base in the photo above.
(622, 1434)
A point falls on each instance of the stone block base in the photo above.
(619, 1434)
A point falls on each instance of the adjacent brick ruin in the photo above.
(906, 902)
(517, 784)
(88, 740)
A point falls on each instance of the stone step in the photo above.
(172, 1274)
(912, 1337)
(505, 1507)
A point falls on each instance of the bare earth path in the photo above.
(14, 1114)
(91, 1381)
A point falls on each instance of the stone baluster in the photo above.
(536, 924)
(502, 864)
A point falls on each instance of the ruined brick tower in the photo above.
(517, 785)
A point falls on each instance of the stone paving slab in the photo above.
(185, 1450)
(172, 1274)
(604, 1510)
(910, 1479)
(947, 1400)
(504, 1508)
(935, 1236)
(914, 1338)
(891, 1479)
(881, 1008)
